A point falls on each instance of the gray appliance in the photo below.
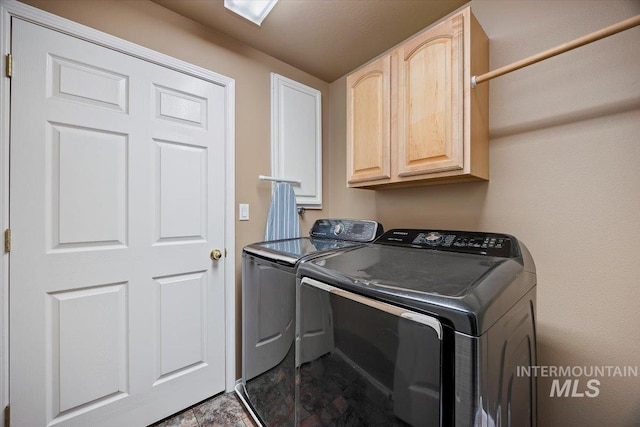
(268, 307)
(420, 328)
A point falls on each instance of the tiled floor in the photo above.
(224, 410)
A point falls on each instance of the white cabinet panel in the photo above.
(88, 353)
(181, 323)
(84, 83)
(181, 107)
(89, 187)
(296, 138)
(181, 191)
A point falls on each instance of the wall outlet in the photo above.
(243, 212)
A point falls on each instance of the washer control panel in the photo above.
(346, 229)
(492, 244)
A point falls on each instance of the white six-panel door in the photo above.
(116, 200)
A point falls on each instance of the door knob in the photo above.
(216, 254)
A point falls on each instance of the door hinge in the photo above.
(9, 65)
(7, 416)
(7, 240)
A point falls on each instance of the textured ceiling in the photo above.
(325, 38)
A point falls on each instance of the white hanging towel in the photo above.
(282, 222)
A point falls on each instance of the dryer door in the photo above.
(360, 361)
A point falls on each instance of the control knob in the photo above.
(338, 228)
(433, 238)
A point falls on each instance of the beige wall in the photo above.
(565, 143)
(343, 202)
(564, 151)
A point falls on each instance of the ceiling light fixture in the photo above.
(253, 10)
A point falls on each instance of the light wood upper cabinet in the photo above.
(438, 125)
(368, 126)
(430, 100)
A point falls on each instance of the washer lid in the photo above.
(413, 271)
(290, 251)
(470, 290)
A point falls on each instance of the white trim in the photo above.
(5, 86)
(230, 240)
(278, 166)
(12, 8)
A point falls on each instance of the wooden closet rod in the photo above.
(589, 38)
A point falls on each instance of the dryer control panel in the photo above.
(491, 244)
(346, 229)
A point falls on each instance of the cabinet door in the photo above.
(296, 138)
(368, 122)
(430, 92)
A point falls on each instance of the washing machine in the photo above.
(268, 307)
(420, 328)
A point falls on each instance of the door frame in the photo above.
(13, 8)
